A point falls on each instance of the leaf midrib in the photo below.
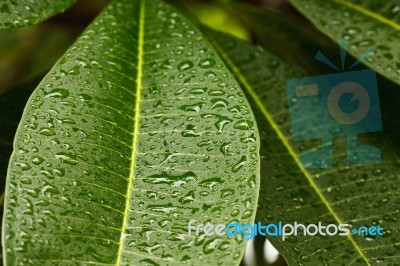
(292, 153)
(136, 127)
(370, 13)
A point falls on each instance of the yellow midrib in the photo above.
(369, 13)
(285, 143)
(136, 129)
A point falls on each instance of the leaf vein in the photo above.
(280, 135)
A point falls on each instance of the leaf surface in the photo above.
(138, 129)
(365, 24)
(11, 107)
(355, 194)
(16, 14)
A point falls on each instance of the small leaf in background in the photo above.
(214, 15)
(137, 129)
(16, 14)
(360, 194)
(365, 24)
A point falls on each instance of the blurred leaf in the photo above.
(137, 129)
(217, 17)
(20, 13)
(213, 14)
(29, 52)
(290, 39)
(365, 24)
(366, 194)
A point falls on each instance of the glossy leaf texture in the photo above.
(12, 105)
(365, 24)
(366, 194)
(16, 14)
(138, 129)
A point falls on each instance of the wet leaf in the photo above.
(365, 24)
(137, 129)
(16, 14)
(11, 107)
(356, 194)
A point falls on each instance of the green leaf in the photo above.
(365, 24)
(277, 34)
(366, 194)
(11, 107)
(138, 129)
(16, 14)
